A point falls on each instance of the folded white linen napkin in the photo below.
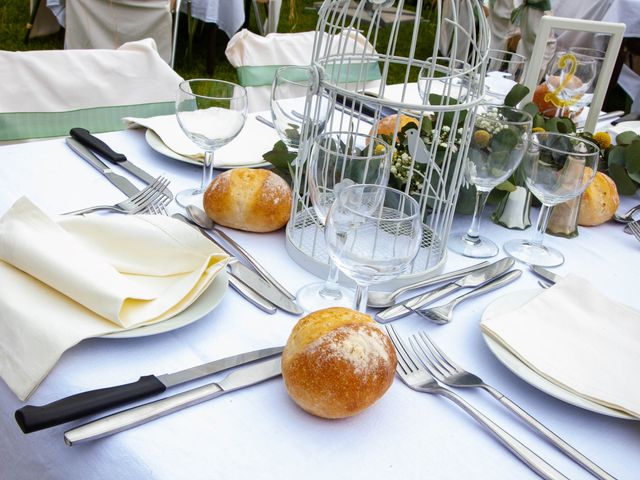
(246, 149)
(578, 339)
(82, 277)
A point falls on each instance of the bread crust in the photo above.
(337, 362)
(599, 201)
(250, 199)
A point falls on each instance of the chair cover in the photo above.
(45, 93)
(109, 24)
(256, 59)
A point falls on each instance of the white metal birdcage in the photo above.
(370, 62)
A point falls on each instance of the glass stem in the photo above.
(330, 289)
(541, 226)
(474, 229)
(361, 296)
(207, 170)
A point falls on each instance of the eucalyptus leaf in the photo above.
(506, 186)
(504, 140)
(618, 172)
(625, 138)
(632, 160)
(531, 108)
(515, 95)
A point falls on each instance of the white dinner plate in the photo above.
(204, 304)
(633, 126)
(156, 143)
(509, 303)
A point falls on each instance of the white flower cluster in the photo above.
(490, 122)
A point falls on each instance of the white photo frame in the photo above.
(547, 24)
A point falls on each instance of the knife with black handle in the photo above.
(83, 136)
(32, 418)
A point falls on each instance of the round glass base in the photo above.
(481, 247)
(317, 296)
(539, 255)
(192, 196)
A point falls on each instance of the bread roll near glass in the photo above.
(250, 199)
(599, 201)
(337, 362)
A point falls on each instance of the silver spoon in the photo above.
(626, 217)
(202, 220)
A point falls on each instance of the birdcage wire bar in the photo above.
(352, 60)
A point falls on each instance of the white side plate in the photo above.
(204, 304)
(509, 303)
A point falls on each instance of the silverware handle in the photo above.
(90, 209)
(251, 295)
(254, 263)
(492, 285)
(268, 123)
(570, 451)
(528, 456)
(404, 309)
(441, 278)
(135, 416)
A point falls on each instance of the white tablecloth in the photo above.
(259, 432)
(227, 14)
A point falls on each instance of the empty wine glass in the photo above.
(500, 139)
(291, 87)
(504, 70)
(211, 113)
(444, 76)
(556, 168)
(568, 77)
(373, 233)
(598, 58)
(340, 159)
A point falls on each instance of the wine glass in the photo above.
(291, 87)
(598, 58)
(444, 76)
(504, 70)
(556, 167)
(340, 159)
(500, 139)
(373, 233)
(568, 77)
(211, 113)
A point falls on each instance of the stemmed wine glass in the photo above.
(500, 138)
(373, 233)
(568, 77)
(557, 167)
(211, 113)
(291, 87)
(504, 70)
(340, 159)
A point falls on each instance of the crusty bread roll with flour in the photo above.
(337, 362)
(251, 199)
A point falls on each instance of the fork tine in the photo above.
(445, 360)
(405, 358)
(428, 358)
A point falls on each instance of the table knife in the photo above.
(132, 417)
(474, 279)
(32, 418)
(124, 185)
(83, 136)
(249, 277)
(546, 274)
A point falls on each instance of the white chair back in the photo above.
(256, 59)
(45, 93)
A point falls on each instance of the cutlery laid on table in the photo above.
(94, 144)
(471, 280)
(240, 378)
(248, 277)
(546, 274)
(413, 374)
(32, 418)
(139, 202)
(444, 313)
(448, 372)
(387, 299)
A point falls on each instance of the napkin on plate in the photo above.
(579, 339)
(246, 149)
(82, 277)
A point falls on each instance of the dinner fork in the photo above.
(416, 377)
(137, 203)
(448, 372)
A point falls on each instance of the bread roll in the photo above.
(599, 201)
(337, 362)
(251, 199)
(387, 125)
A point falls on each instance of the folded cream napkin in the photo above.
(578, 339)
(246, 149)
(80, 277)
